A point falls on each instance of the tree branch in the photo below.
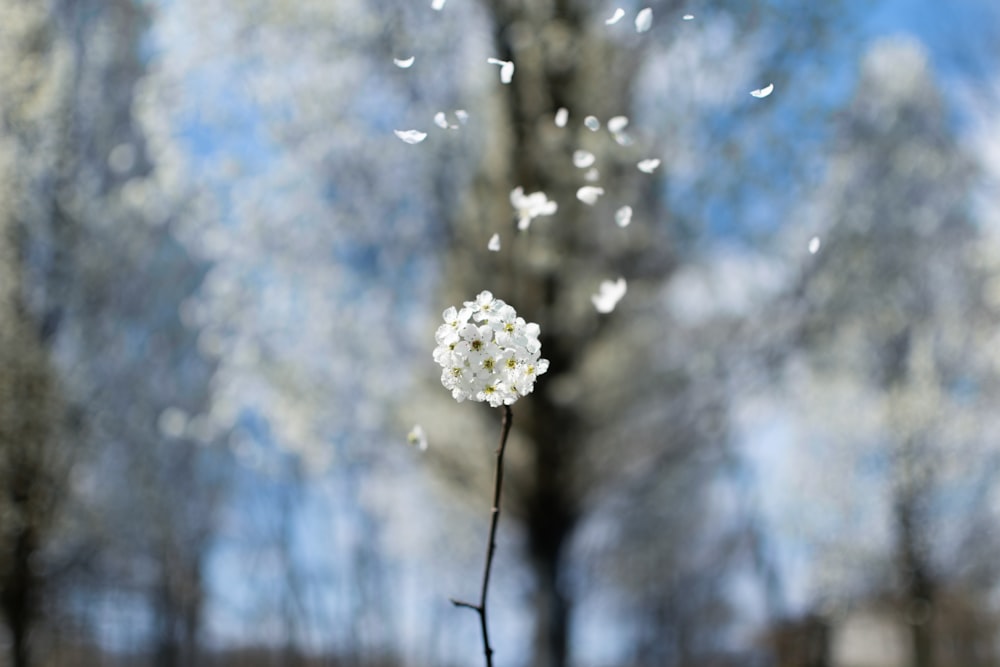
(491, 544)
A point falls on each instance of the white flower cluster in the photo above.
(487, 352)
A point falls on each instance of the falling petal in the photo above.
(592, 175)
(688, 17)
(494, 243)
(440, 120)
(417, 437)
(583, 159)
(506, 69)
(403, 63)
(462, 115)
(814, 245)
(644, 20)
(592, 123)
(616, 17)
(763, 92)
(588, 194)
(648, 166)
(608, 295)
(411, 136)
(562, 115)
(437, 5)
(617, 124)
(623, 216)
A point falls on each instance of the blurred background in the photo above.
(221, 271)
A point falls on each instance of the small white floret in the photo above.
(763, 92)
(589, 194)
(437, 5)
(648, 166)
(403, 63)
(608, 295)
(688, 17)
(623, 216)
(814, 245)
(411, 136)
(440, 120)
(562, 115)
(644, 20)
(616, 17)
(494, 244)
(462, 115)
(591, 123)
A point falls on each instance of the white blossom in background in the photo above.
(437, 5)
(591, 123)
(411, 136)
(688, 17)
(529, 207)
(608, 295)
(506, 69)
(623, 216)
(462, 115)
(592, 175)
(440, 120)
(644, 20)
(616, 17)
(648, 166)
(763, 92)
(583, 159)
(494, 243)
(814, 245)
(487, 353)
(403, 63)
(589, 194)
(417, 437)
(562, 115)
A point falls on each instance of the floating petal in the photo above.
(506, 69)
(648, 166)
(644, 20)
(588, 194)
(592, 175)
(562, 115)
(494, 243)
(623, 216)
(591, 123)
(617, 124)
(814, 245)
(583, 159)
(411, 136)
(437, 5)
(616, 17)
(608, 295)
(763, 92)
(462, 115)
(688, 17)
(403, 63)
(440, 120)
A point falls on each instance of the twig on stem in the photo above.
(491, 544)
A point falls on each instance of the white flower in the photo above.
(588, 194)
(763, 92)
(417, 437)
(441, 120)
(531, 206)
(609, 294)
(688, 17)
(403, 63)
(592, 123)
(617, 124)
(487, 353)
(494, 243)
(562, 115)
(814, 245)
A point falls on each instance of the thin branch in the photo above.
(491, 544)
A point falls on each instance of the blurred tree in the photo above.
(896, 327)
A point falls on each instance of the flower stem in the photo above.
(491, 544)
